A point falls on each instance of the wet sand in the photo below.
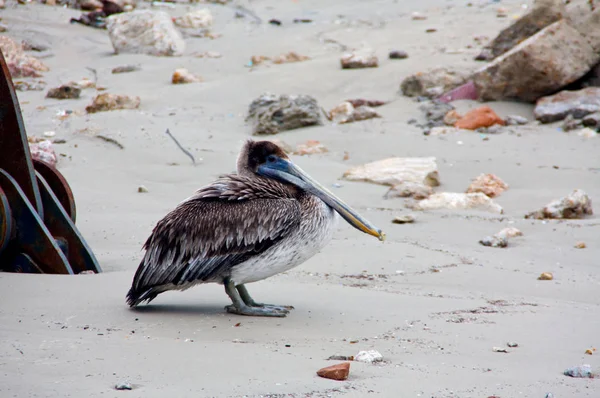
(75, 336)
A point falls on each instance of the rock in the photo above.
(404, 219)
(580, 245)
(542, 14)
(364, 102)
(290, 57)
(545, 276)
(84, 83)
(19, 63)
(347, 113)
(483, 116)
(271, 114)
(409, 189)
(577, 205)
(588, 27)
(197, 19)
(311, 147)
(417, 16)
(510, 232)
(451, 117)
(125, 69)
(108, 102)
(44, 151)
(592, 120)
(183, 76)
(145, 32)
(433, 83)
(142, 189)
(512, 344)
(516, 120)
(578, 104)
(90, 5)
(395, 171)
(370, 356)
(570, 124)
(539, 66)
(21, 85)
(359, 60)
(124, 385)
(494, 241)
(66, 91)
(336, 372)
(398, 54)
(501, 12)
(488, 184)
(341, 358)
(459, 201)
(435, 112)
(590, 351)
(583, 371)
(587, 133)
(500, 349)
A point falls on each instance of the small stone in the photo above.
(546, 276)
(592, 120)
(577, 205)
(452, 117)
(587, 133)
(459, 201)
(183, 76)
(494, 241)
(394, 171)
(484, 116)
(409, 189)
(515, 120)
(142, 189)
(336, 372)
(359, 60)
(488, 184)
(404, 219)
(49, 133)
(197, 19)
(577, 104)
(398, 54)
(341, 358)
(85, 83)
(417, 16)
(66, 91)
(500, 349)
(347, 113)
(495, 129)
(501, 12)
(125, 69)
(290, 57)
(510, 232)
(582, 371)
(370, 356)
(271, 114)
(365, 102)
(311, 147)
(589, 351)
(433, 83)
(108, 102)
(123, 386)
(580, 245)
(512, 344)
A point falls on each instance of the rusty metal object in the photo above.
(37, 209)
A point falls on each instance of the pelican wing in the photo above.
(222, 225)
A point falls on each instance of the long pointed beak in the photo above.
(350, 215)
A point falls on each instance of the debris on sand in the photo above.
(370, 356)
(347, 113)
(433, 83)
(488, 184)
(290, 57)
(359, 60)
(395, 171)
(19, 63)
(576, 205)
(66, 91)
(409, 189)
(109, 102)
(459, 201)
(197, 19)
(483, 116)
(546, 276)
(271, 114)
(125, 69)
(145, 32)
(336, 372)
(183, 76)
(576, 104)
(310, 147)
(582, 371)
(44, 151)
(404, 219)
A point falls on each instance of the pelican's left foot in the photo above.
(249, 301)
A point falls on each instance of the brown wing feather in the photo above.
(219, 227)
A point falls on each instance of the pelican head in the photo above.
(266, 159)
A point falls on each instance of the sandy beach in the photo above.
(430, 299)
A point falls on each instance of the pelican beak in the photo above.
(288, 171)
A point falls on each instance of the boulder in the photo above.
(145, 32)
(577, 104)
(395, 171)
(433, 83)
(271, 114)
(554, 57)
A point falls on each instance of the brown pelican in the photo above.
(268, 218)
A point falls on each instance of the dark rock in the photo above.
(592, 120)
(398, 54)
(433, 83)
(335, 372)
(66, 91)
(578, 104)
(271, 114)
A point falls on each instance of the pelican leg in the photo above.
(240, 308)
(250, 301)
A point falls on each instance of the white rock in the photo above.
(197, 19)
(394, 171)
(509, 232)
(370, 356)
(459, 201)
(145, 32)
(587, 132)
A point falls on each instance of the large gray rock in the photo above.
(577, 104)
(433, 83)
(145, 32)
(542, 14)
(271, 114)
(541, 65)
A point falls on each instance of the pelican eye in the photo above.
(271, 159)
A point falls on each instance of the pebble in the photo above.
(512, 344)
(398, 54)
(142, 189)
(494, 241)
(359, 60)
(183, 76)
(335, 372)
(404, 219)
(370, 356)
(125, 69)
(417, 16)
(123, 386)
(546, 276)
(515, 120)
(580, 245)
(500, 349)
(583, 371)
